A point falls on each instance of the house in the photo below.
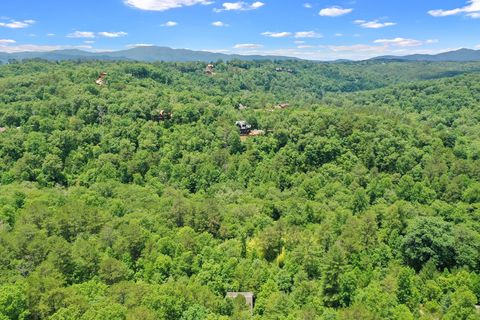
(101, 79)
(282, 106)
(244, 127)
(249, 298)
(209, 69)
(284, 70)
(162, 116)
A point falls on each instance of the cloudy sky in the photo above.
(314, 29)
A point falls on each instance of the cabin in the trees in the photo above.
(284, 70)
(163, 115)
(101, 79)
(210, 69)
(249, 298)
(244, 127)
(282, 106)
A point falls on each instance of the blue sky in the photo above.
(321, 30)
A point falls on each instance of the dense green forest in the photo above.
(361, 201)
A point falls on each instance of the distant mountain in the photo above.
(154, 53)
(149, 54)
(462, 55)
(53, 55)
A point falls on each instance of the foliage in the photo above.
(361, 201)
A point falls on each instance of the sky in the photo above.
(311, 29)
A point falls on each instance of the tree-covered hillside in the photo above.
(361, 201)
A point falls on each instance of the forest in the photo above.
(139, 199)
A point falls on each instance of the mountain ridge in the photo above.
(144, 53)
(158, 53)
(460, 55)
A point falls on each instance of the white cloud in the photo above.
(472, 9)
(276, 34)
(353, 52)
(216, 50)
(374, 24)
(231, 6)
(91, 35)
(7, 41)
(396, 46)
(334, 12)
(36, 48)
(338, 34)
(81, 34)
(140, 45)
(307, 34)
(219, 24)
(305, 46)
(112, 34)
(431, 41)
(50, 34)
(298, 35)
(400, 42)
(163, 5)
(358, 48)
(240, 6)
(257, 5)
(365, 51)
(247, 46)
(13, 24)
(88, 41)
(307, 5)
(83, 47)
(290, 52)
(27, 47)
(169, 24)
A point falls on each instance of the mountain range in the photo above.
(148, 54)
(461, 55)
(154, 53)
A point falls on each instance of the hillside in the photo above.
(155, 53)
(146, 53)
(461, 55)
(139, 199)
